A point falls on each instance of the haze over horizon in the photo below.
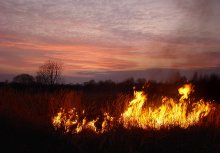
(95, 37)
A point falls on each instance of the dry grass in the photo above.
(37, 107)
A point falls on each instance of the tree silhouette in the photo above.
(49, 73)
(23, 79)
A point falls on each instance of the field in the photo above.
(27, 113)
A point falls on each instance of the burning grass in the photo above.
(139, 114)
(110, 121)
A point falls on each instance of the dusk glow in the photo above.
(110, 76)
(104, 36)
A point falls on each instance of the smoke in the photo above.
(199, 12)
(197, 27)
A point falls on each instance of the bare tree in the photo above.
(23, 79)
(50, 73)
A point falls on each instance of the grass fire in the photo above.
(139, 113)
(110, 76)
(111, 117)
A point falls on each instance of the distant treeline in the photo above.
(206, 86)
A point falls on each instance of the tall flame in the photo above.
(185, 91)
(169, 114)
(140, 114)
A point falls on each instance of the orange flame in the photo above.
(71, 122)
(181, 113)
(140, 114)
(185, 91)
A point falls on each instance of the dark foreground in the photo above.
(23, 138)
(26, 111)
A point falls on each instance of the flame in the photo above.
(169, 114)
(185, 91)
(140, 114)
(71, 122)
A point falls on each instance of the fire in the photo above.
(71, 122)
(170, 113)
(185, 91)
(182, 113)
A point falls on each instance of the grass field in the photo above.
(26, 113)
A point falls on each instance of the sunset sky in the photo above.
(101, 36)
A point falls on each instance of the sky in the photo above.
(102, 36)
